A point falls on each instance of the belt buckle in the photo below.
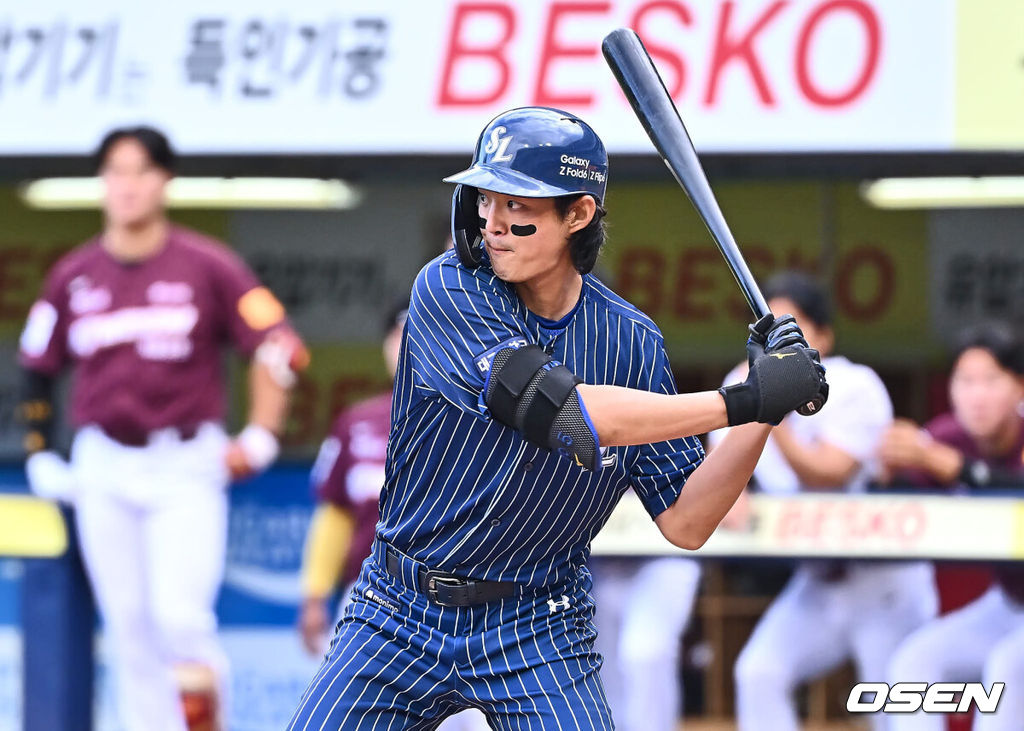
(436, 579)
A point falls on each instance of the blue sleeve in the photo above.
(660, 470)
(458, 320)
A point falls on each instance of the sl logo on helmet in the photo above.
(497, 145)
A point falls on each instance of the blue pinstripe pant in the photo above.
(400, 661)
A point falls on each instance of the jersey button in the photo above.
(495, 522)
(527, 466)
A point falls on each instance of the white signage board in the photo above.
(843, 526)
(361, 77)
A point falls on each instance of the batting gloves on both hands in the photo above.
(785, 375)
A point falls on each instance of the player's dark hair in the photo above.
(396, 315)
(999, 339)
(585, 244)
(155, 142)
(805, 292)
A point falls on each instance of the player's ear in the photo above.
(581, 213)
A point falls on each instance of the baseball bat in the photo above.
(653, 106)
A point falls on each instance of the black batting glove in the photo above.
(771, 334)
(784, 332)
(776, 384)
(758, 337)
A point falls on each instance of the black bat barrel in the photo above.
(653, 106)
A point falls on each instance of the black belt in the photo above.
(450, 590)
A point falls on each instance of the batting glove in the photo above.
(776, 384)
(252, 451)
(50, 477)
(771, 334)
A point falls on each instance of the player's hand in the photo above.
(904, 446)
(314, 621)
(771, 334)
(50, 477)
(252, 451)
(776, 384)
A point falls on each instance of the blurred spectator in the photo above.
(830, 611)
(979, 446)
(140, 314)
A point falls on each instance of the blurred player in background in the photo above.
(141, 315)
(979, 446)
(644, 605)
(505, 459)
(830, 611)
(348, 476)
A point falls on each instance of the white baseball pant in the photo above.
(981, 641)
(152, 523)
(815, 625)
(643, 607)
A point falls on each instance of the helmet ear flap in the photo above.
(466, 226)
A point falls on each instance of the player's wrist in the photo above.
(259, 445)
(741, 403)
(776, 384)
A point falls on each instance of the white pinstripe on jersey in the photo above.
(469, 495)
(410, 664)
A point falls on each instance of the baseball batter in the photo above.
(829, 612)
(528, 398)
(140, 315)
(980, 445)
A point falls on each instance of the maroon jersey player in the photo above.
(979, 446)
(145, 340)
(348, 476)
(140, 315)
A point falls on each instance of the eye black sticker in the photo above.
(482, 221)
(527, 230)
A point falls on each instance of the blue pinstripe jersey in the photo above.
(469, 495)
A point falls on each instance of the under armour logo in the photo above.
(558, 606)
(498, 145)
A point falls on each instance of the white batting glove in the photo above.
(252, 451)
(50, 477)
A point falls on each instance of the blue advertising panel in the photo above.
(257, 607)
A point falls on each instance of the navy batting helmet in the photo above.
(530, 152)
